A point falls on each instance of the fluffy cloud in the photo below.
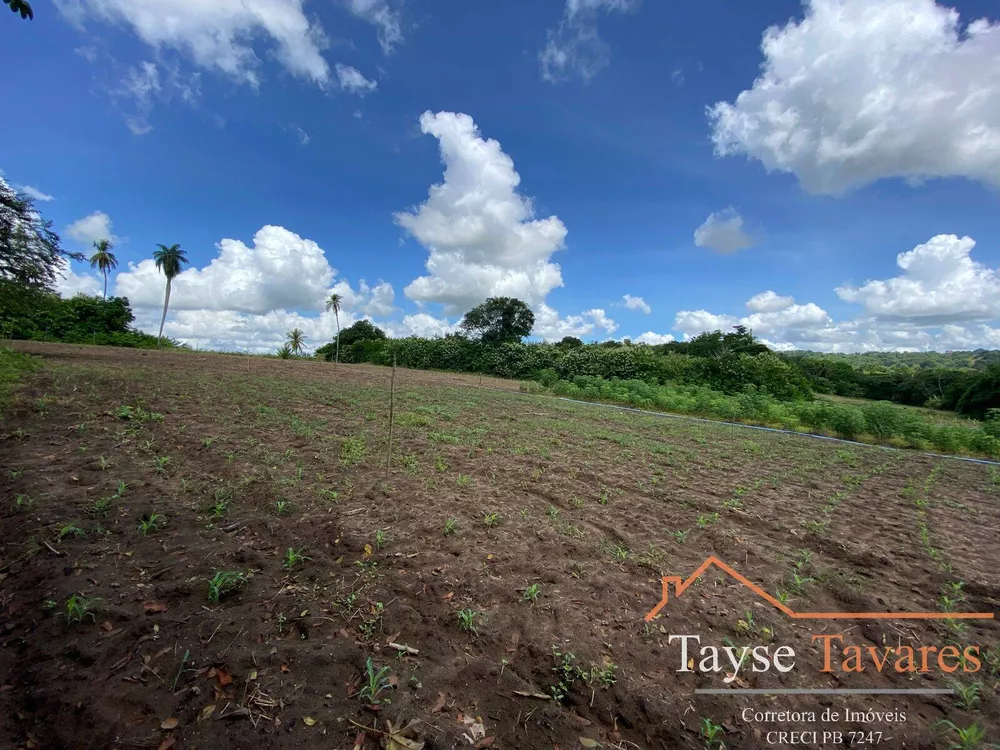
(248, 297)
(384, 17)
(549, 326)
(943, 300)
(636, 303)
(218, 35)
(940, 284)
(69, 283)
(33, 192)
(281, 270)
(723, 232)
(653, 338)
(574, 47)
(482, 236)
(352, 80)
(90, 229)
(862, 90)
(768, 302)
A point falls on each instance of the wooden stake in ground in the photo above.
(392, 409)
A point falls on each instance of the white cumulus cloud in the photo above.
(723, 232)
(636, 303)
(943, 299)
(862, 90)
(218, 34)
(574, 47)
(549, 326)
(69, 283)
(769, 301)
(481, 233)
(90, 229)
(940, 284)
(653, 338)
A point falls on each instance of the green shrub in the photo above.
(847, 421)
(883, 419)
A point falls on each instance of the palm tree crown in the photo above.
(170, 260)
(104, 260)
(296, 338)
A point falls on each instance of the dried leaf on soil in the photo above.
(170, 723)
(152, 608)
(224, 678)
(309, 721)
(206, 712)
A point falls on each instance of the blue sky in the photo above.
(141, 125)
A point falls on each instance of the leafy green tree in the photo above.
(334, 304)
(571, 341)
(363, 330)
(296, 340)
(31, 254)
(170, 260)
(499, 320)
(104, 260)
(22, 7)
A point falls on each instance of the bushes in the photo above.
(878, 422)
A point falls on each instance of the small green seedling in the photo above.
(151, 523)
(104, 463)
(78, 607)
(160, 463)
(69, 530)
(967, 738)
(23, 502)
(450, 526)
(293, 557)
(966, 696)
(377, 682)
(223, 583)
(490, 519)
(380, 539)
(531, 593)
(282, 506)
(712, 733)
(467, 620)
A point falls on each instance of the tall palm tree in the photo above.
(104, 260)
(334, 304)
(296, 338)
(170, 260)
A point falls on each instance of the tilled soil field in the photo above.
(208, 551)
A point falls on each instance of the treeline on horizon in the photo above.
(491, 342)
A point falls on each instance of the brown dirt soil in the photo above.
(238, 460)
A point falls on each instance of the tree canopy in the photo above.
(22, 7)
(499, 320)
(31, 254)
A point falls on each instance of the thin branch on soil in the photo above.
(231, 643)
(404, 648)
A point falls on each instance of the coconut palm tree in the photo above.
(296, 338)
(170, 260)
(104, 260)
(334, 304)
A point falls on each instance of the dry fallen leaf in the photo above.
(396, 739)
(206, 712)
(439, 704)
(152, 608)
(170, 723)
(167, 744)
(107, 626)
(284, 668)
(308, 721)
(368, 551)
(485, 742)
(224, 678)
(587, 742)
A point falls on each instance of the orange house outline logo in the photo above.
(681, 585)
